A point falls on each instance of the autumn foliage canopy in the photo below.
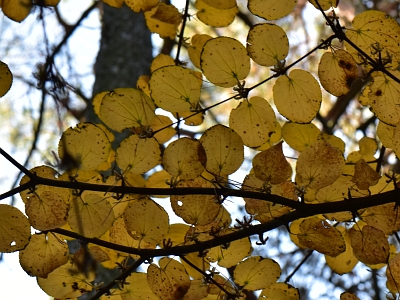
(343, 205)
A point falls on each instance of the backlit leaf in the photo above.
(224, 150)
(161, 60)
(256, 273)
(300, 136)
(319, 165)
(43, 254)
(254, 121)
(337, 71)
(146, 220)
(85, 146)
(47, 210)
(348, 296)
(196, 209)
(374, 28)
(297, 96)
(199, 262)
(185, 158)
(138, 155)
(393, 274)
(370, 245)
(318, 235)
(169, 281)
(385, 133)
(114, 3)
(6, 79)
(158, 180)
(66, 282)
(126, 108)
(384, 98)
(163, 19)
(346, 261)
(16, 10)
(213, 16)
(177, 233)
(236, 251)
(90, 215)
(281, 291)
(385, 217)
(396, 140)
(197, 43)
(141, 5)
(271, 9)
(175, 89)
(137, 288)
(325, 4)
(271, 165)
(267, 44)
(224, 61)
(221, 4)
(15, 229)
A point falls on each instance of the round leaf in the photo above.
(267, 44)
(271, 9)
(297, 96)
(163, 19)
(213, 16)
(300, 136)
(6, 79)
(281, 291)
(224, 61)
(197, 43)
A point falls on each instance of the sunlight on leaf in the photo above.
(137, 288)
(161, 60)
(256, 273)
(115, 3)
(393, 274)
(348, 296)
(325, 4)
(199, 262)
(254, 121)
(163, 19)
(6, 79)
(43, 254)
(297, 96)
(126, 108)
(281, 291)
(267, 44)
(197, 43)
(384, 217)
(15, 230)
(364, 175)
(175, 89)
(300, 136)
(16, 10)
(141, 5)
(271, 9)
(224, 61)
(386, 135)
(213, 16)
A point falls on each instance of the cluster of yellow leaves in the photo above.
(322, 173)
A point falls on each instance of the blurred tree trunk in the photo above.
(125, 52)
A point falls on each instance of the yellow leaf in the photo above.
(229, 256)
(6, 79)
(396, 140)
(337, 71)
(43, 254)
(363, 97)
(364, 175)
(198, 290)
(297, 96)
(138, 155)
(215, 17)
(106, 256)
(348, 296)
(185, 158)
(370, 245)
(199, 262)
(281, 291)
(346, 261)
(254, 121)
(137, 288)
(267, 44)
(126, 108)
(66, 282)
(175, 89)
(196, 209)
(158, 180)
(177, 233)
(15, 229)
(318, 235)
(90, 215)
(16, 10)
(256, 273)
(386, 134)
(196, 46)
(384, 98)
(114, 3)
(271, 9)
(161, 60)
(385, 217)
(325, 4)
(224, 61)
(146, 220)
(271, 165)
(47, 210)
(333, 140)
(167, 132)
(85, 146)
(274, 138)
(47, 2)
(224, 150)
(221, 4)
(169, 281)
(371, 29)
(393, 274)
(300, 136)
(191, 118)
(319, 165)
(295, 232)
(163, 19)
(141, 5)
(143, 84)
